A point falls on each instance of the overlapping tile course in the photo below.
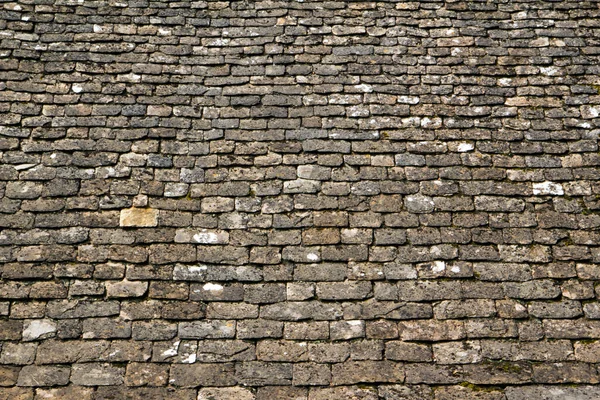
(306, 200)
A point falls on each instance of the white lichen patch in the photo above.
(427, 122)
(183, 272)
(38, 328)
(548, 188)
(131, 77)
(590, 112)
(550, 71)
(202, 236)
(464, 147)
(171, 351)
(206, 237)
(419, 203)
(190, 359)
(408, 99)
(520, 308)
(364, 88)
(435, 251)
(21, 167)
(212, 287)
(312, 257)
(438, 266)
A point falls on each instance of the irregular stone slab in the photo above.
(352, 372)
(65, 393)
(419, 203)
(38, 329)
(203, 236)
(195, 375)
(10, 329)
(35, 375)
(405, 392)
(95, 374)
(81, 308)
(468, 392)
(548, 188)
(139, 217)
(224, 351)
(146, 374)
(552, 393)
(215, 329)
(406, 351)
(457, 352)
(126, 288)
(258, 373)
(343, 392)
(236, 393)
(18, 353)
(8, 375)
(16, 393)
(106, 328)
(146, 393)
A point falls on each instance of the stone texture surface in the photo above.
(138, 217)
(299, 200)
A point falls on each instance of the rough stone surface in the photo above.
(226, 393)
(305, 200)
(38, 329)
(138, 217)
(93, 374)
(39, 375)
